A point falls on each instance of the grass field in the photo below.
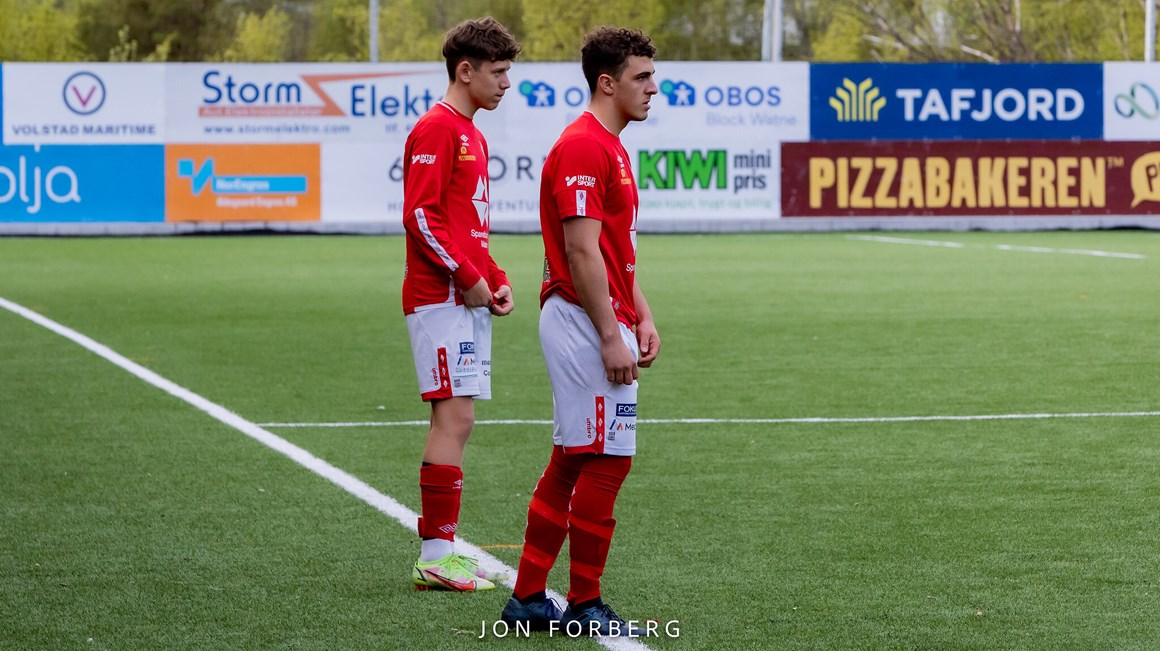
(131, 520)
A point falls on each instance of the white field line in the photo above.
(999, 247)
(348, 482)
(753, 421)
(905, 240)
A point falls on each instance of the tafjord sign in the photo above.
(945, 101)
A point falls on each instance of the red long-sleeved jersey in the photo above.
(445, 211)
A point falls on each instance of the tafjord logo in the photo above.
(857, 102)
(234, 184)
(679, 93)
(538, 93)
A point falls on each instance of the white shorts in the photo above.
(590, 413)
(452, 349)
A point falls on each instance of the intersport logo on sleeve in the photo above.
(955, 101)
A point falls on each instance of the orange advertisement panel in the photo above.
(228, 183)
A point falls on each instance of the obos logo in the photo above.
(679, 93)
(541, 94)
(857, 102)
(682, 93)
(538, 93)
(84, 93)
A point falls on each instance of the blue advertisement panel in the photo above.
(945, 101)
(82, 183)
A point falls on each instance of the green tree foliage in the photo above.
(995, 30)
(554, 29)
(551, 30)
(706, 30)
(38, 30)
(126, 49)
(409, 32)
(194, 29)
(260, 38)
(341, 31)
(840, 39)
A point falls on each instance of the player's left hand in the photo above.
(502, 302)
(649, 342)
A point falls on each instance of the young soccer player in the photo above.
(591, 304)
(451, 285)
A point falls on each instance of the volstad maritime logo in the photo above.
(84, 93)
(857, 102)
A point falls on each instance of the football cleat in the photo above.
(537, 615)
(475, 568)
(449, 573)
(597, 620)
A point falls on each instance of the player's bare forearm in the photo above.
(647, 337)
(582, 245)
(589, 276)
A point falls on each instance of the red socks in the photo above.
(590, 523)
(440, 488)
(547, 523)
(574, 498)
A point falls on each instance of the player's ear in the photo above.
(604, 83)
(463, 71)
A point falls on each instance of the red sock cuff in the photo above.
(440, 488)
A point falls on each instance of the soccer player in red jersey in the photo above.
(451, 285)
(596, 329)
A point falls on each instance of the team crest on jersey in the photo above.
(464, 143)
(624, 178)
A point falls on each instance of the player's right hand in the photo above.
(619, 362)
(478, 296)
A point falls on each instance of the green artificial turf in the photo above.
(131, 520)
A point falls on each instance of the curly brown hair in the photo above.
(478, 40)
(606, 51)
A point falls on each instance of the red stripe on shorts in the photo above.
(444, 389)
(599, 443)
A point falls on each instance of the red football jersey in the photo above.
(588, 174)
(446, 211)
